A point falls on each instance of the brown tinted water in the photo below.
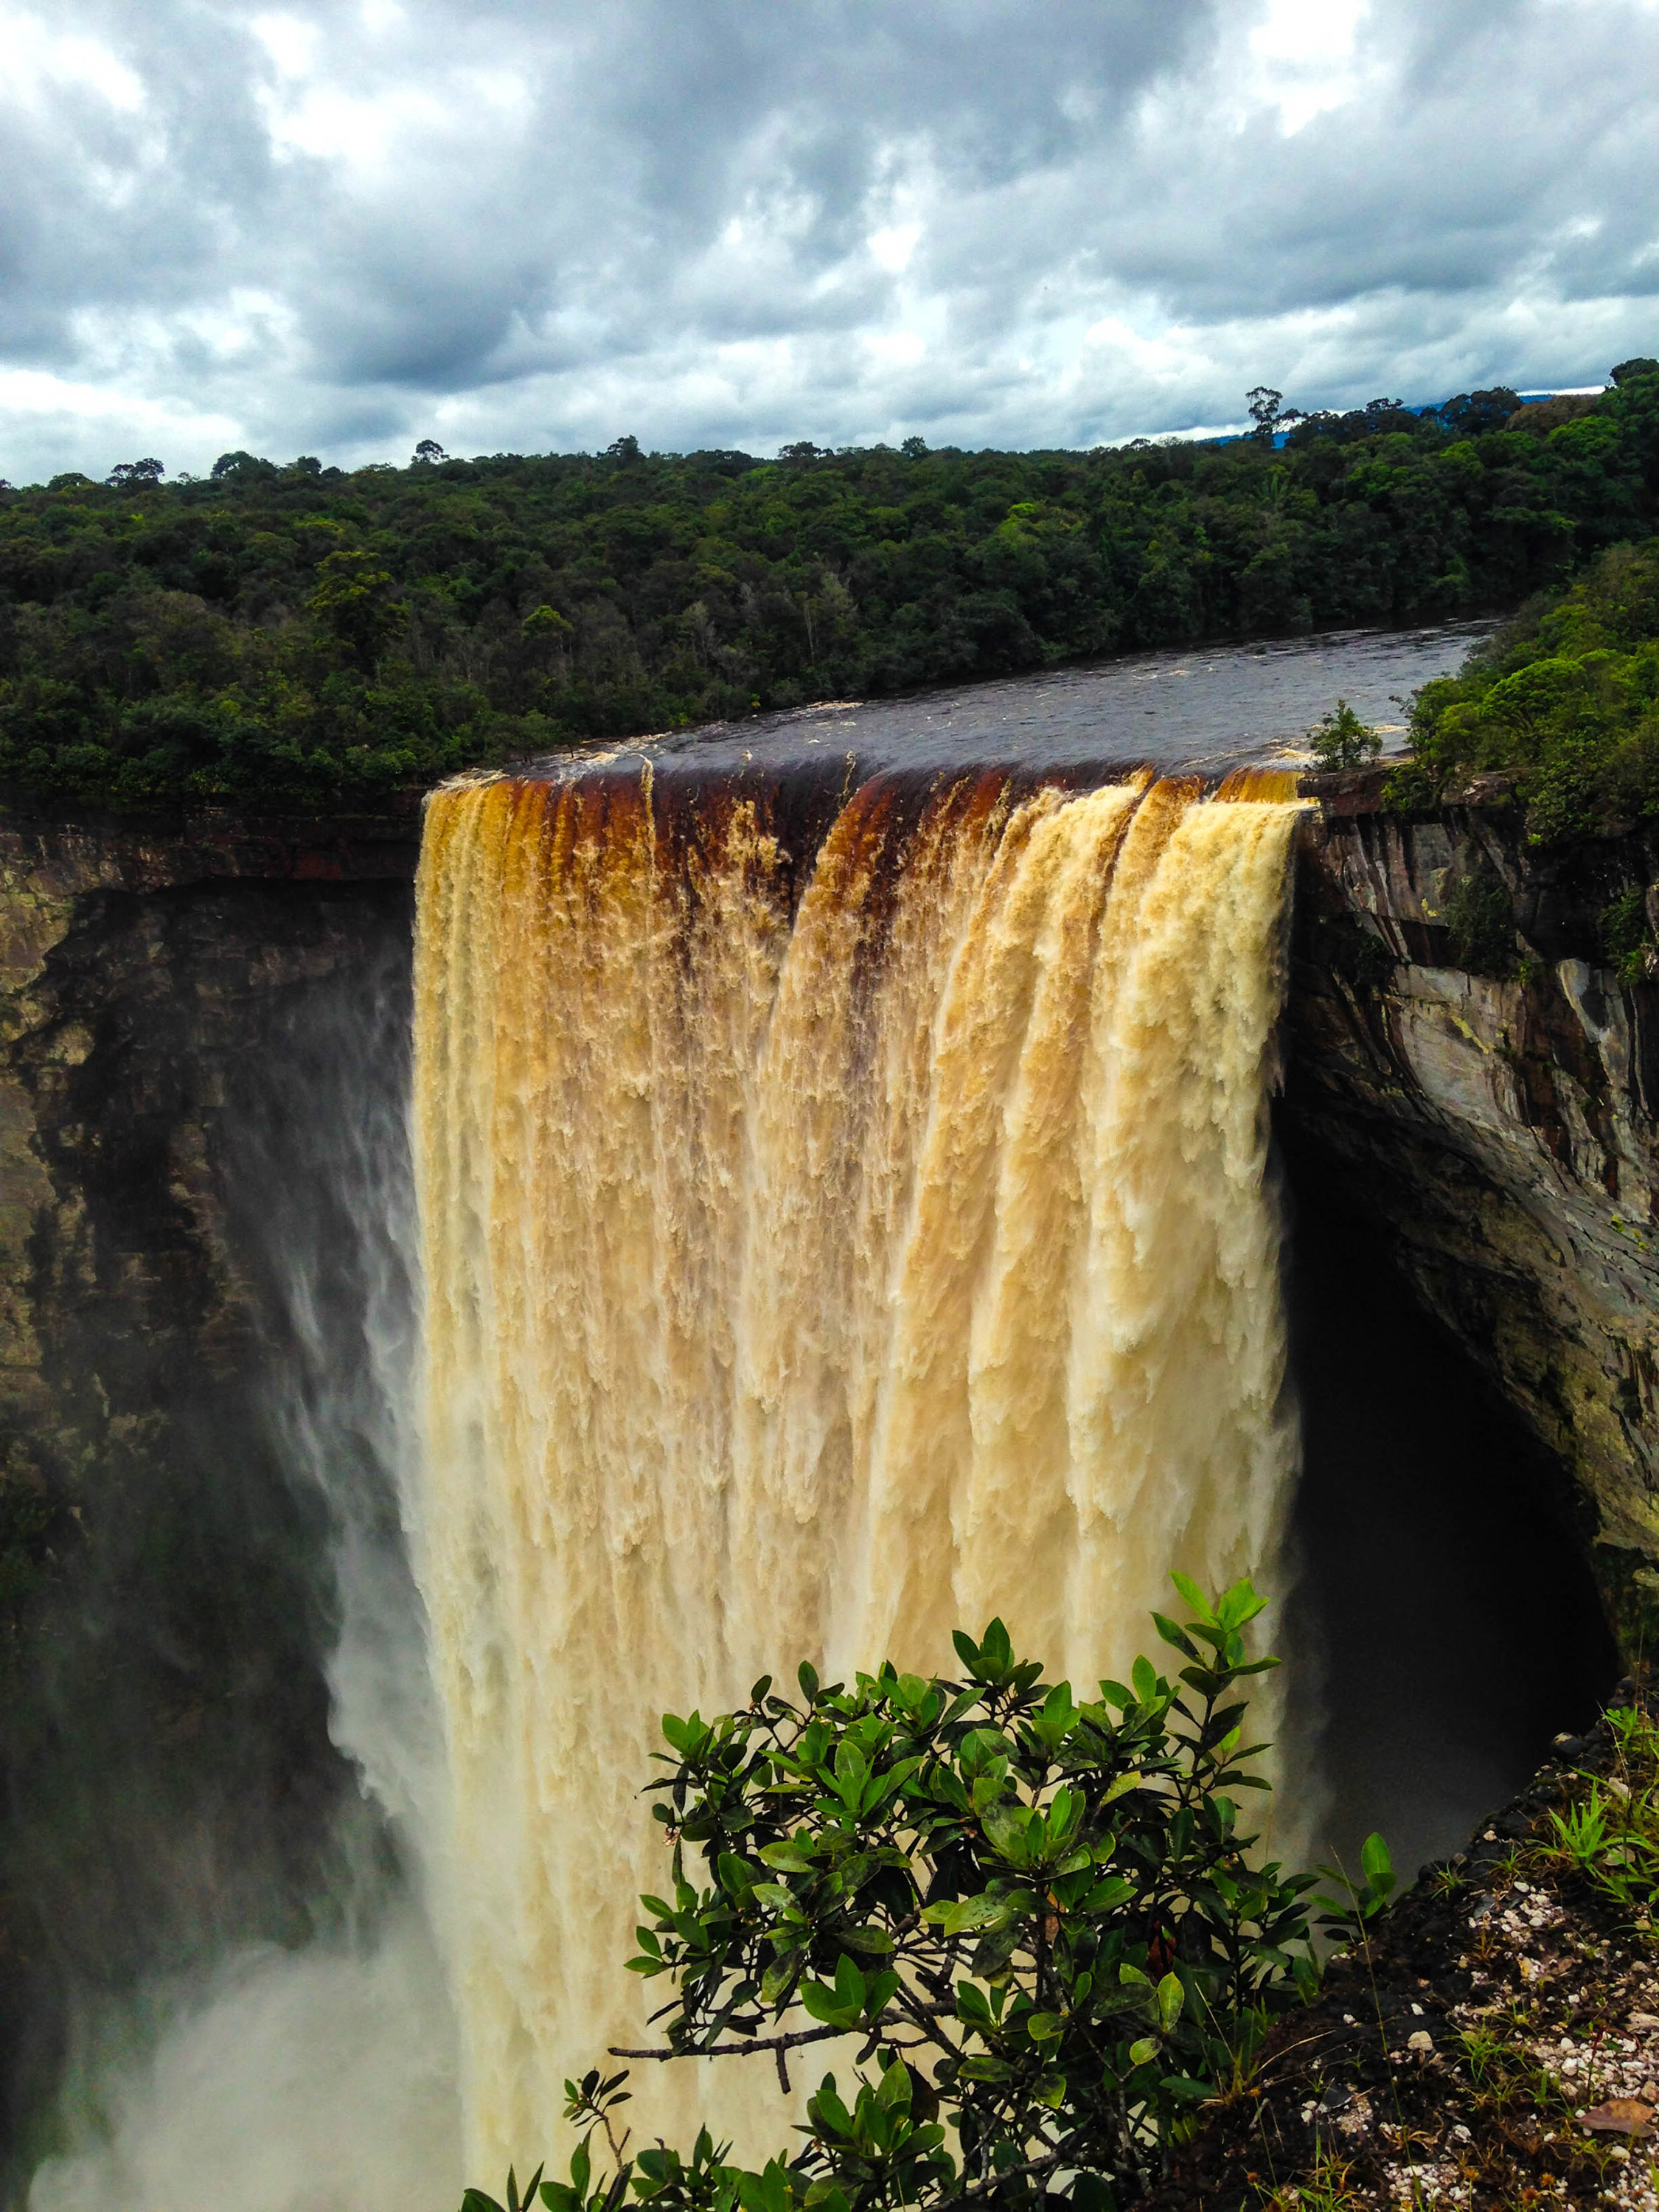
(1202, 708)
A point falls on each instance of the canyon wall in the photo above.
(166, 1779)
(1464, 1065)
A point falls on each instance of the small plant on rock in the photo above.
(1341, 739)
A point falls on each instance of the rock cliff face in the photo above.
(173, 999)
(1476, 1076)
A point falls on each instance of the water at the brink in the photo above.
(816, 1258)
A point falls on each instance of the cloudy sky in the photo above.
(338, 226)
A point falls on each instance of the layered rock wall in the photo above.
(167, 1777)
(1465, 1060)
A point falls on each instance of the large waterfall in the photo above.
(832, 1234)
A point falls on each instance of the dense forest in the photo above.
(299, 636)
(1565, 698)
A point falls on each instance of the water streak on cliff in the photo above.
(816, 1257)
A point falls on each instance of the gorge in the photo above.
(206, 1057)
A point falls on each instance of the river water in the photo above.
(1203, 708)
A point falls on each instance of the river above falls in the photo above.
(1201, 708)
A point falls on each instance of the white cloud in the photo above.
(1305, 58)
(40, 61)
(892, 248)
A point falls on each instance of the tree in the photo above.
(133, 476)
(1472, 414)
(429, 451)
(1039, 1916)
(1341, 739)
(354, 601)
(242, 468)
(1263, 403)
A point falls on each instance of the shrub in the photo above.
(1040, 1915)
(1341, 739)
(1480, 924)
(1627, 941)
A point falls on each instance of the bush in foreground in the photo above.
(1039, 1919)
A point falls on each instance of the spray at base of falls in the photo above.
(321, 2075)
(811, 1269)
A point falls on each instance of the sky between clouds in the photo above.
(339, 226)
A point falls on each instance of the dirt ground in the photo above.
(1495, 2046)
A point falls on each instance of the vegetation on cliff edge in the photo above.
(1564, 703)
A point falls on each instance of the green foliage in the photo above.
(1353, 951)
(299, 636)
(1608, 1832)
(1627, 941)
(1341, 739)
(1347, 1916)
(1568, 696)
(475, 2201)
(1480, 920)
(1039, 1915)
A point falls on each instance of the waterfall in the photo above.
(821, 1251)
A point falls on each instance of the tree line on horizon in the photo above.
(301, 636)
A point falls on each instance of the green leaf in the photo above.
(1183, 2086)
(993, 1951)
(825, 2006)
(983, 2067)
(1008, 1831)
(1144, 1678)
(873, 1942)
(775, 1897)
(967, 1650)
(894, 2089)
(1141, 2052)
(1195, 1598)
(1171, 1995)
(788, 1858)
(1172, 1635)
(1240, 1605)
(1378, 1866)
(781, 1975)
(807, 1676)
(733, 1875)
(965, 1912)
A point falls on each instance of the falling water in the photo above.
(820, 1253)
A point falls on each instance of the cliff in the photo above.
(1465, 1064)
(176, 997)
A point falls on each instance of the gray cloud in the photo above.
(336, 226)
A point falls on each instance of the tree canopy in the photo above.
(303, 636)
(1562, 705)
